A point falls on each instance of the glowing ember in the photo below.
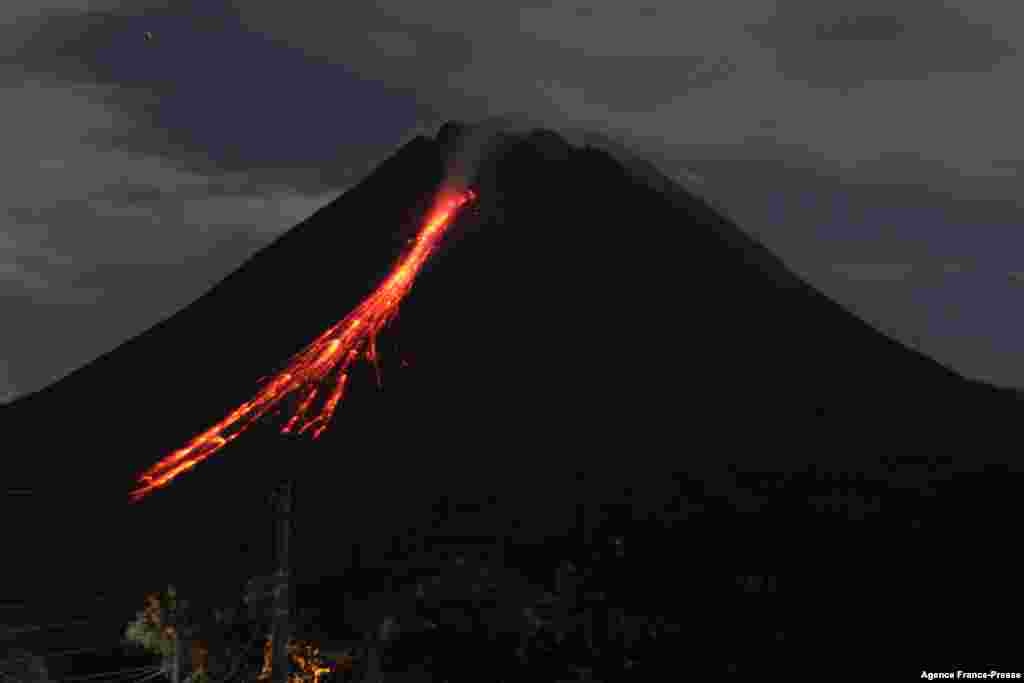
(304, 656)
(321, 370)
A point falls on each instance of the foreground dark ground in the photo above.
(582, 337)
(627, 599)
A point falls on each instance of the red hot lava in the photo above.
(318, 375)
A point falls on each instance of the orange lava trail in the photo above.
(322, 368)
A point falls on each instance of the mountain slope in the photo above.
(579, 318)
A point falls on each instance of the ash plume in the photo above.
(469, 147)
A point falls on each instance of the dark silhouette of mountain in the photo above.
(582, 316)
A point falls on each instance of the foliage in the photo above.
(140, 633)
(201, 676)
(149, 629)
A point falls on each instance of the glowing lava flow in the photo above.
(321, 370)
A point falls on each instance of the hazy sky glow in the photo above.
(876, 149)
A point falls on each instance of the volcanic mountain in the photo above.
(588, 327)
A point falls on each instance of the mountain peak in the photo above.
(449, 133)
(467, 148)
(583, 311)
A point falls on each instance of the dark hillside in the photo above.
(578, 319)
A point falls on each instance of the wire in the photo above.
(127, 677)
(131, 678)
(80, 604)
(121, 673)
(149, 677)
(18, 603)
(9, 631)
(61, 653)
(111, 674)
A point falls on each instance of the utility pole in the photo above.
(583, 520)
(284, 504)
(175, 618)
(378, 641)
(373, 659)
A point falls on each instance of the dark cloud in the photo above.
(142, 171)
(212, 98)
(860, 28)
(100, 244)
(222, 253)
(851, 44)
(875, 272)
(89, 308)
(915, 261)
(703, 84)
(647, 81)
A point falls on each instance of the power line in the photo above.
(13, 631)
(108, 674)
(21, 604)
(9, 631)
(63, 653)
(130, 677)
(83, 607)
(149, 677)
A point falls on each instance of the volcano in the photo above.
(587, 326)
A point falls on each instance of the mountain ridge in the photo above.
(446, 138)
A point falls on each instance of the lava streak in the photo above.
(317, 376)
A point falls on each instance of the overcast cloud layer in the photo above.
(874, 145)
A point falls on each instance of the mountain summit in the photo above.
(581, 317)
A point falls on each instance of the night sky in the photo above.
(876, 149)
